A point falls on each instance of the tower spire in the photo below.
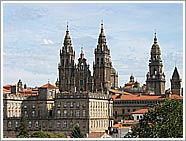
(155, 38)
(67, 39)
(82, 54)
(67, 25)
(101, 24)
(102, 38)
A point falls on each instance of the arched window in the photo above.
(58, 114)
(9, 124)
(97, 60)
(155, 71)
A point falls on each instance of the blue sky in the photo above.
(33, 34)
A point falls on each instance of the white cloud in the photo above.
(47, 41)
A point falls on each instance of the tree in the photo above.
(76, 133)
(39, 134)
(163, 121)
(23, 129)
(42, 134)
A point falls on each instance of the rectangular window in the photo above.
(29, 124)
(84, 113)
(137, 117)
(98, 61)
(71, 124)
(26, 115)
(62, 62)
(58, 113)
(33, 106)
(116, 114)
(83, 104)
(50, 124)
(77, 113)
(123, 111)
(58, 124)
(16, 124)
(101, 60)
(33, 114)
(71, 105)
(43, 125)
(71, 113)
(59, 105)
(65, 113)
(37, 124)
(81, 82)
(65, 105)
(65, 124)
(77, 104)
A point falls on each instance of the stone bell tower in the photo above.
(102, 66)
(66, 66)
(155, 77)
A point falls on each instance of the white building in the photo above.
(138, 114)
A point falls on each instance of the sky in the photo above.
(33, 34)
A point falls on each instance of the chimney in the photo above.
(25, 86)
(13, 89)
(168, 93)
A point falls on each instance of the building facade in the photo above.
(57, 112)
(125, 103)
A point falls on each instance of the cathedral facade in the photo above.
(77, 77)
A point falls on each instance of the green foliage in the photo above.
(162, 121)
(41, 134)
(61, 136)
(23, 129)
(76, 133)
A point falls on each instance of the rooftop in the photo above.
(141, 111)
(50, 86)
(144, 97)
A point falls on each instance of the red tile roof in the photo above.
(128, 87)
(119, 92)
(137, 97)
(96, 134)
(5, 91)
(48, 85)
(130, 83)
(141, 111)
(7, 86)
(172, 96)
(118, 125)
(35, 89)
(131, 96)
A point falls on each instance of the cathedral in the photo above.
(93, 102)
(77, 77)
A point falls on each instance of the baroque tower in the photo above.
(104, 74)
(83, 79)
(176, 82)
(155, 77)
(66, 65)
